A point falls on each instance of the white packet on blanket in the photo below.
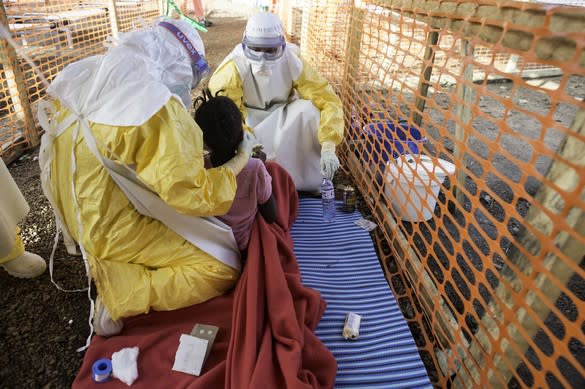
(366, 224)
(190, 355)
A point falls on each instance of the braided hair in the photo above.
(222, 125)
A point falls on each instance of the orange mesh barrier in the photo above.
(53, 34)
(465, 134)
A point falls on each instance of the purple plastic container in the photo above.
(389, 141)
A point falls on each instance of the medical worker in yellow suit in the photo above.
(13, 208)
(122, 163)
(292, 110)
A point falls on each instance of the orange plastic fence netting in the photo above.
(53, 34)
(465, 127)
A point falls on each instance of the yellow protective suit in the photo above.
(137, 262)
(310, 85)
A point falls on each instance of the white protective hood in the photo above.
(131, 82)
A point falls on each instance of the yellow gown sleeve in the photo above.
(227, 78)
(167, 154)
(312, 86)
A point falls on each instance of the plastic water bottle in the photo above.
(328, 199)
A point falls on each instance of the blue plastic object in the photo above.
(386, 140)
(367, 114)
(102, 370)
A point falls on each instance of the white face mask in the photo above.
(262, 68)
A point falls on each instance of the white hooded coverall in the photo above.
(292, 111)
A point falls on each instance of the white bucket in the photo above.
(413, 183)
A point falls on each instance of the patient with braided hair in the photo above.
(222, 125)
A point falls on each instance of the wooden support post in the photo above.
(427, 70)
(16, 83)
(350, 78)
(463, 111)
(352, 49)
(305, 24)
(113, 15)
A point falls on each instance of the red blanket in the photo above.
(266, 338)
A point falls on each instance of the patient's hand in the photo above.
(257, 152)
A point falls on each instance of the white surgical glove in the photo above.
(237, 163)
(248, 143)
(329, 160)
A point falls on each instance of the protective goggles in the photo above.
(269, 49)
(199, 65)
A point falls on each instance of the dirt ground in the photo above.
(40, 326)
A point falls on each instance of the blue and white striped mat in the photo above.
(339, 260)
